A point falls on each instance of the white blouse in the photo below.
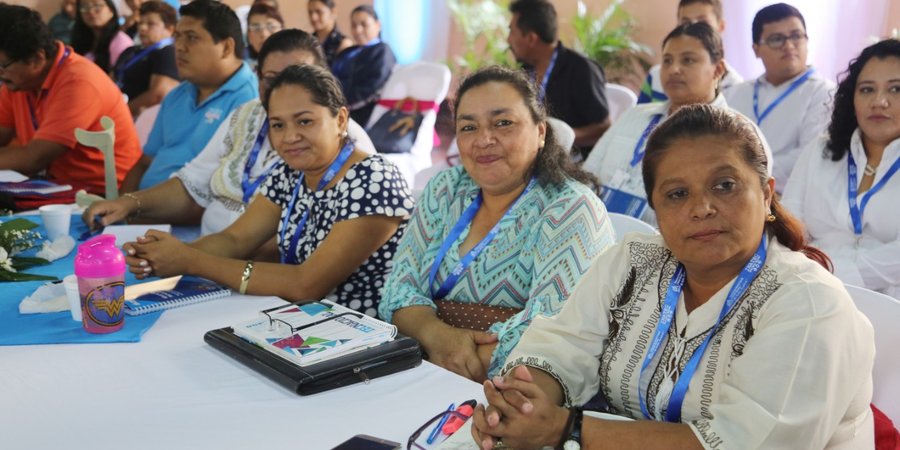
(794, 123)
(213, 178)
(790, 367)
(817, 193)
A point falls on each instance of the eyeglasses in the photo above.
(419, 439)
(270, 27)
(96, 7)
(284, 329)
(4, 66)
(777, 40)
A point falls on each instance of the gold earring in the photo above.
(770, 217)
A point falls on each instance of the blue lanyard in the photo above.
(791, 88)
(856, 211)
(139, 56)
(290, 257)
(250, 187)
(666, 316)
(467, 216)
(546, 79)
(34, 121)
(639, 148)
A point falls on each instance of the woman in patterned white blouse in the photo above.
(724, 333)
(516, 210)
(337, 213)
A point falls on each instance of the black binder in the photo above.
(384, 359)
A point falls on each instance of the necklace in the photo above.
(870, 170)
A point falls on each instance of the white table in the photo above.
(172, 391)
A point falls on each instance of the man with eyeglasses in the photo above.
(790, 102)
(48, 91)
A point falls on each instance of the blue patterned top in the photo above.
(543, 248)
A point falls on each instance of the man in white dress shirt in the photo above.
(691, 11)
(790, 102)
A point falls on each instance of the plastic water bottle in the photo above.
(100, 268)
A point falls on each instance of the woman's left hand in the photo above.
(519, 413)
(166, 255)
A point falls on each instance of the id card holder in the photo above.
(621, 202)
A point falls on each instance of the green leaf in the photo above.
(25, 262)
(21, 276)
(17, 224)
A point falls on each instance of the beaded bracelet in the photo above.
(245, 277)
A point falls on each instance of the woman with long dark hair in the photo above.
(96, 33)
(323, 19)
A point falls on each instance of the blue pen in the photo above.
(437, 429)
(88, 234)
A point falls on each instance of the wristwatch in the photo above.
(573, 440)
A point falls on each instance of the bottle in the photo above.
(100, 269)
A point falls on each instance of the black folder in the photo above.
(386, 358)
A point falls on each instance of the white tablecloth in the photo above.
(172, 391)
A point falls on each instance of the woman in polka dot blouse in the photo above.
(336, 212)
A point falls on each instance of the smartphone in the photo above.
(366, 442)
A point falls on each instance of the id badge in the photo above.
(621, 202)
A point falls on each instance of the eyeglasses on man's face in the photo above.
(778, 40)
(260, 27)
(4, 66)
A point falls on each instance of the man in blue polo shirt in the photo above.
(208, 45)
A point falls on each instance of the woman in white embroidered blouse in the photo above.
(213, 184)
(864, 134)
(762, 348)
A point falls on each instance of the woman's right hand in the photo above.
(107, 212)
(456, 349)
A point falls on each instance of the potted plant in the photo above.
(607, 40)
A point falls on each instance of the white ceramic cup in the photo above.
(71, 284)
(57, 219)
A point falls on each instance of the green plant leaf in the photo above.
(25, 262)
(17, 224)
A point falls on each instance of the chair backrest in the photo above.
(884, 314)
(144, 123)
(425, 82)
(359, 135)
(619, 99)
(565, 135)
(623, 223)
(104, 141)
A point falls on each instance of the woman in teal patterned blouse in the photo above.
(499, 240)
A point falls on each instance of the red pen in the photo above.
(455, 422)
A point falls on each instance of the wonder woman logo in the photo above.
(110, 307)
(105, 303)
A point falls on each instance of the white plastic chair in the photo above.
(565, 135)
(884, 314)
(623, 223)
(144, 123)
(426, 82)
(619, 99)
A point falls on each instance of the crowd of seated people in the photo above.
(715, 333)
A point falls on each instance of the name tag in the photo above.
(622, 202)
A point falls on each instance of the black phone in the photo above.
(366, 442)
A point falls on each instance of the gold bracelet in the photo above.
(245, 277)
(136, 200)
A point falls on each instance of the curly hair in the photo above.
(553, 164)
(843, 116)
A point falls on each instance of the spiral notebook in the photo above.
(170, 293)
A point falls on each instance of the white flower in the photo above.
(5, 261)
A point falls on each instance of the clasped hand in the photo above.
(157, 253)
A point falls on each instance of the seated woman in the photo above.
(724, 332)
(364, 68)
(323, 20)
(845, 187)
(147, 72)
(220, 182)
(96, 33)
(263, 20)
(337, 212)
(691, 69)
(498, 240)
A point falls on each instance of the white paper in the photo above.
(130, 233)
(11, 176)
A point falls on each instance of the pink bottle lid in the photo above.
(99, 257)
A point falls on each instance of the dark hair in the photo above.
(329, 3)
(368, 9)
(274, 3)
(843, 116)
(219, 20)
(261, 9)
(289, 40)
(83, 37)
(321, 84)
(23, 33)
(538, 16)
(716, 5)
(553, 164)
(166, 12)
(702, 120)
(702, 32)
(774, 13)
